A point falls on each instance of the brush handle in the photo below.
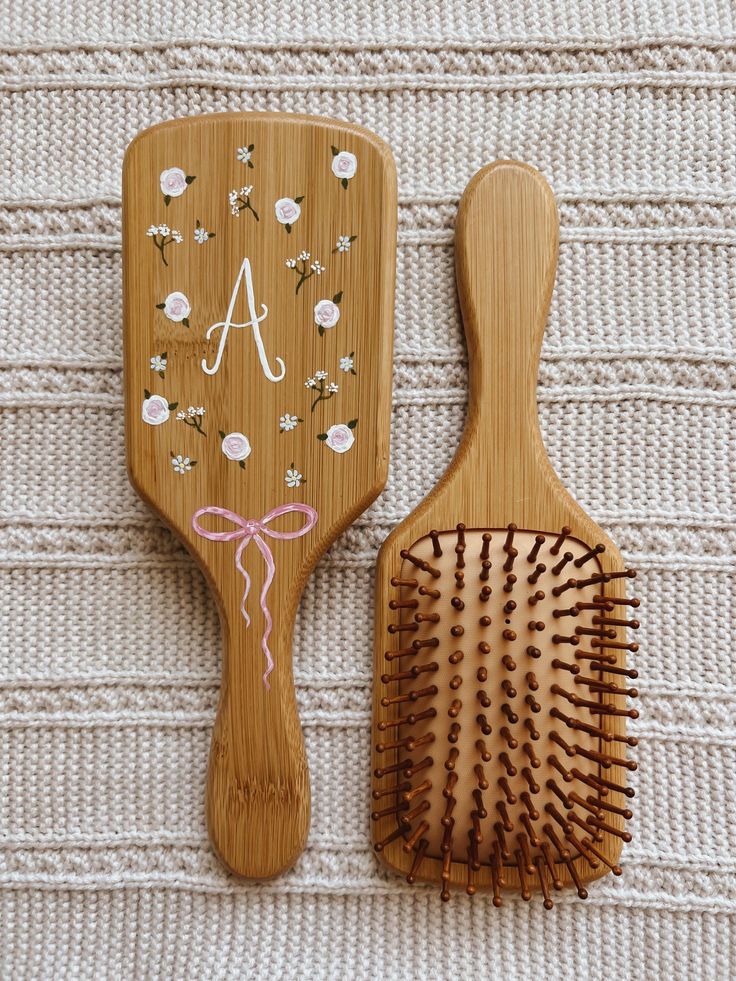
(506, 256)
(258, 799)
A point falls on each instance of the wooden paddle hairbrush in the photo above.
(259, 254)
(500, 699)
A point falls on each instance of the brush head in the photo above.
(500, 741)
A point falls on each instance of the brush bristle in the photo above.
(505, 686)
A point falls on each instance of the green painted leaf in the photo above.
(222, 435)
(193, 463)
(164, 355)
(335, 151)
(299, 199)
(146, 394)
(344, 183)
(251, 148)
(288, 229)
(352, 238)
(172, 406)
(185, 321)
(321, 330)
(190, 180)
(167, 199)
(199, 224)
(337, 298)
(352, 424)
(213, 234)
(160, 306)
(322, 436)
(241, 464)
(250, 164)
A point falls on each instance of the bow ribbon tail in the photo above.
(241, 569)
(270, 572)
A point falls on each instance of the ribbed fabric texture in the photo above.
(110, 641)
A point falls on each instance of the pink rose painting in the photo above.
(288, 210)
(236, 446)
(344, 165)
(156, 409)
(176, 307)
(173, 183)
(339, 437)
(327, 313)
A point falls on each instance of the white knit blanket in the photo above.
(109, 638)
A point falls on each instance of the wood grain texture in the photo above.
(258, 801)
(506, 255)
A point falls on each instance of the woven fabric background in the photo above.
(110, 643)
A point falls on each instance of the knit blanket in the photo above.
(110, 643)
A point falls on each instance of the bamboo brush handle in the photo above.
(506, 257)
(258, 799)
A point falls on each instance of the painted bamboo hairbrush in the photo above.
(259, 255)
(499, 755)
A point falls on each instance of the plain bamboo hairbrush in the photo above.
(259, 254)
(499, 756)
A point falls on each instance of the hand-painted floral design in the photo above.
(287, 422)
(173, 183)
(244, 154)
(340, 437)
(325, 389)
(176, 307)
(236, 446)
(181, 464)
(288, 211)
(156, 409)
(163, 237)
(240, 201)
(158, 364)
(304, 269)
(293, 478)
(327, 313)
(343, 243)
(193, 417)
(201, 235)
(347, 364)
(344, 165)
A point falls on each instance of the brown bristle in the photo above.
(591, 554)
(559, 541)
(436, 549)
(429, 591)
(557, 569)
(538, 542)
(499, 804)
(538, 570)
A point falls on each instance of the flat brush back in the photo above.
(259, 254)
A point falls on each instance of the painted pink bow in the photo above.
(251, 529)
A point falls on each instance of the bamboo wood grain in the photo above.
(258, 799)
(506, 255)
